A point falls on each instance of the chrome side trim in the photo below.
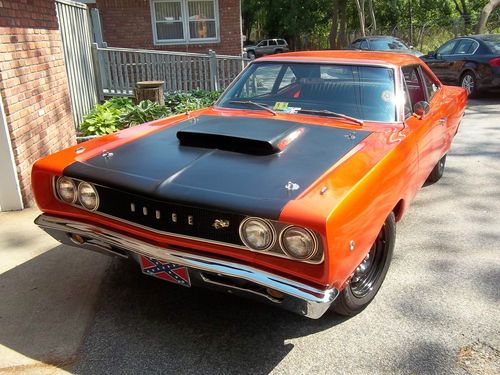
(300, 298)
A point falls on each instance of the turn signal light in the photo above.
(495, 62)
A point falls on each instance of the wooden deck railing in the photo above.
(118, 69)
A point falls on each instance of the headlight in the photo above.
(257, 234)
(298, 243)
(87, 195)
(66, 189)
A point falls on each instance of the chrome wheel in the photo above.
(468, 83)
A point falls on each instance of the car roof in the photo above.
(347, 56)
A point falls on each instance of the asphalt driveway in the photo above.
(438, 311)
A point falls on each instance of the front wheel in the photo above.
(369, 275)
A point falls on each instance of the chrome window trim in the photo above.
(465, 54)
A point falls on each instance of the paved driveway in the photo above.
(437, 312)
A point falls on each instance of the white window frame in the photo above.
(185, 24)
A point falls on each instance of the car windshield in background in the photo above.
(362, 92)
(387, 45)
(493, 42)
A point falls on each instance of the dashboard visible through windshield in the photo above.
(361, 92)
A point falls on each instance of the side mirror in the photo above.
(431, 54)
(420, 109)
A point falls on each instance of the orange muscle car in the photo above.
(287, 190)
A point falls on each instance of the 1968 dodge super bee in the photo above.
(287, 190)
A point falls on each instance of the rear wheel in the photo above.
(369, 275)
(469, 82)
(437, 172)
(251, 55)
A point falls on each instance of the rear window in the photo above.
(387, 45)
(493, 42)
(281, 42)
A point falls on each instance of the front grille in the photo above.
(169, 217)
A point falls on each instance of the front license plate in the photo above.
(166, 271)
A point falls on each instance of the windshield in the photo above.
(387, 45)
(362, 92)
(493, 42)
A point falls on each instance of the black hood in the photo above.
(233, 164)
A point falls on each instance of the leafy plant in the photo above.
(119, 112)
(143, 112)
(104, 118)
(180, 102)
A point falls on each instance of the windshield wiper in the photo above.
(255, 104)
(326, 112)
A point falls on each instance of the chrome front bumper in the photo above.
(208, 272)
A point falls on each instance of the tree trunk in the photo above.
(342, 40)
(360, 5)
(335, 25)
(372, 16)
(485, 14)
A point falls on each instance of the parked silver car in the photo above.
(266, 47)
(383, 43)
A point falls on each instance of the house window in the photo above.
(184, 21)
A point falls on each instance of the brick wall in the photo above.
(127, 23)
(33, 84)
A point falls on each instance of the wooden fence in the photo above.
(118, 69)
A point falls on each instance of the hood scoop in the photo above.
(253, 137)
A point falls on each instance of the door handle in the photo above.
(443, 120)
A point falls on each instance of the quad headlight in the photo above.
(279, 239)
(257, 234)
(66, 189)
(298, 242)
(76, 192)
(87, 196)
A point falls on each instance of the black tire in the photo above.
(278, 51)
(251, 55)
(364, 287)
(437, 172)
(469, 82)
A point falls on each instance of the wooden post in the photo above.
(149, 90)
(214, 82)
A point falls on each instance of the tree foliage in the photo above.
(339, 21)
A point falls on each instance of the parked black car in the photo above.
(266, 47)
(472, 62)
(383, 43)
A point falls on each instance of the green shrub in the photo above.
(105, 118)
(143, 112)
(119, 112)
(180, 102)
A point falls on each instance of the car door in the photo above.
(439, 61)
(261, 48)
(272, 46)
(427, 131)
(462, 53)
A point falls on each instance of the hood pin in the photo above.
(351, 136)
(107, 155)
(292, 186)
(323, 190)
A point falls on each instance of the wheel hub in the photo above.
(468, 84)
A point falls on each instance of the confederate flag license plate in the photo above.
(171, 272)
